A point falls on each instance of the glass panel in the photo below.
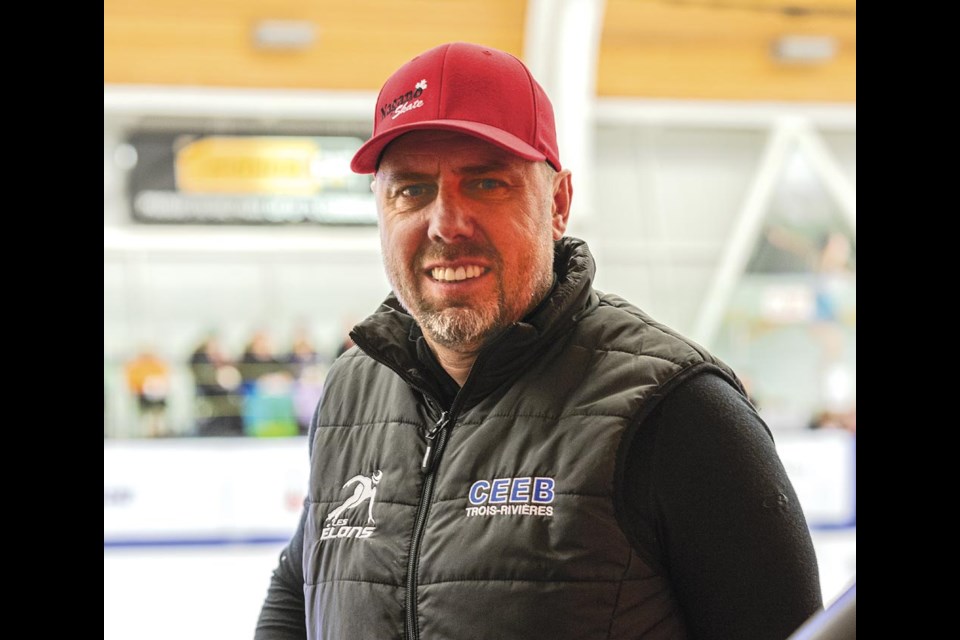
(790, 327)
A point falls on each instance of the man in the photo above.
(148, 378)
(551, 462)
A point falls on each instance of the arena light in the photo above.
(284, 34)
(804, 49)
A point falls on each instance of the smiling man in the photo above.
(550, 462)
(468, 231)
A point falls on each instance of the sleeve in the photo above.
(282, 615)
(711, 504)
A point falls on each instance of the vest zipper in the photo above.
(431, 435)
(436, 440)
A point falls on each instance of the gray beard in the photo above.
(459, 327)
(464, 328)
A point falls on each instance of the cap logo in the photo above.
(463, 78)
(405, 102)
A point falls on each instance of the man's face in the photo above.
(467, 232)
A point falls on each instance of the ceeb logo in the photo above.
(522, 490)
(520, 496)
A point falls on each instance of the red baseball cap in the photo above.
(464, 87)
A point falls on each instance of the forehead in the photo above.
(426, 150)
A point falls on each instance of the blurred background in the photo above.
(713, 148)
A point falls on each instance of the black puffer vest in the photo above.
(496, 517)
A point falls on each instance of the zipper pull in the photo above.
(431, 436)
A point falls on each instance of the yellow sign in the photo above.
(258, 165)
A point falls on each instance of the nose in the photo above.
(450, 218)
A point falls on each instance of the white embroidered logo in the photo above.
(409, 106)
(365, 491)
(405, 102)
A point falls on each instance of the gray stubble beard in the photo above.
(467, 328)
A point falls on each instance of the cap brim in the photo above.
(367, 157)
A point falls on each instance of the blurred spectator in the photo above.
(309, 369)
(148, 378)
(217, 382)
(302, 352)
(260, 359)
(345, 345)
(347, 324)
(747, 382)
(845, 419)
(267, 389)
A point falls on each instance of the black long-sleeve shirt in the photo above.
(706, 501)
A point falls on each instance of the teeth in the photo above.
(449, 274)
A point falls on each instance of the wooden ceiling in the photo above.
(708, 50)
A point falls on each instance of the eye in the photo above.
(414, 191)
(488, 184)
(488, 188)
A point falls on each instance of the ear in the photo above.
(562, 196)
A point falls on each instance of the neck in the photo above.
(456, 363)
